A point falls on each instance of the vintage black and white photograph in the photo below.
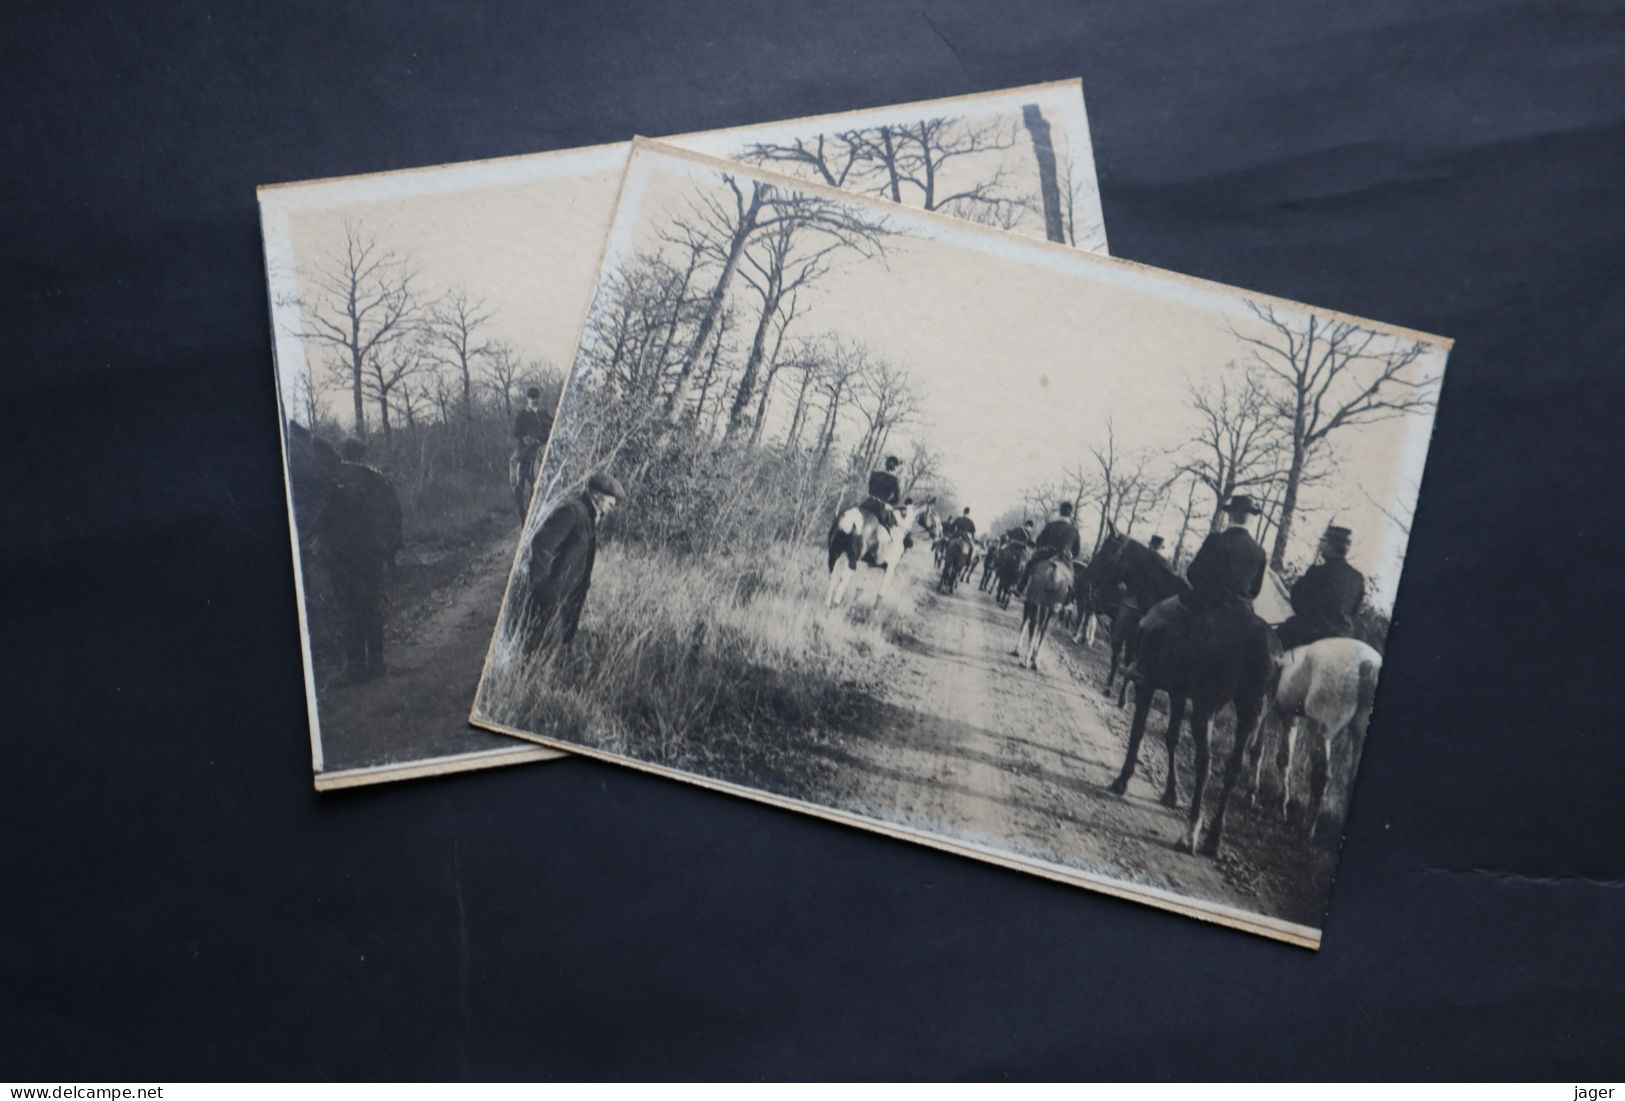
(422, 324)
(1058, 561)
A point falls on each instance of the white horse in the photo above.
(1328, 686)
(857, 535)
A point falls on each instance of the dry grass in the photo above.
(715, 665)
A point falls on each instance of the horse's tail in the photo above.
(1365, 696)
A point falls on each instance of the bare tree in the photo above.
(457, 323)
(886, 399)
(832, 158)
(787, 314)
(1239, 444)
(364, 299)
(501, 372)
(1326, 375)
(727, 225)
(774, 272)
(390, 367)
(1049, 186)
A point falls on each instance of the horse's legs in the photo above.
(1093, 632)
(1319, 754)
(1040, 629)
(1023, 629)
(1136, 732)
(1111, 672)
(1176, 714)
(1246, 723)
(1283, 761)
(1255, 755)
(1199, 735)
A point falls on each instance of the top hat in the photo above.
(1338, 538)
(1243, 504)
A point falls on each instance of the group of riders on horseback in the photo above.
(1195, 637)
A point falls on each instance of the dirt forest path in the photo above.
(973, 746)
(434, 647)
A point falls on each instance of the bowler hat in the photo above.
(1243, 504)
(607, 484)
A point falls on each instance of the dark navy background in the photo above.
(176, 902)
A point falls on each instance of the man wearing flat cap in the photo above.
(1327, 596)
(1227, 572)
(561, 558)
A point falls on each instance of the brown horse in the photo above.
(1219, 656)
(1049, 587)
(1012, 560)
(957, 550)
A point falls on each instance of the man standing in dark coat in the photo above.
(561, 558)
(1326, 598)
(360, 533)
(1227, 572)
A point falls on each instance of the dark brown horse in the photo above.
(1219, 655)
(1127, 579)
(1012, 560)
(956, 551)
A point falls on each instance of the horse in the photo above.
(523, 466)
(1049, 587)
(314, 471)
(1328, 686)
(971, 560)
(856, 534)
(1146, 580)
(990, 563)
(1012, 560)
(1219, 655)
(955, 554)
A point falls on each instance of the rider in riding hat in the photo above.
(1059, 538)
(1228, 572)
(533, 423)
(1327, 596)
(1022, 534)
(885, 493)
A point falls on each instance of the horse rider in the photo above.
(1058, 539)
(1022, 534)
(1227, 572)
(533, 424)
(961, 525)
(561, 559)
(531, 427)
(1327, 597)
(1155, 546)
(885, 493)
(360, 533)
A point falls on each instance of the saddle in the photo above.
(880, 510)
